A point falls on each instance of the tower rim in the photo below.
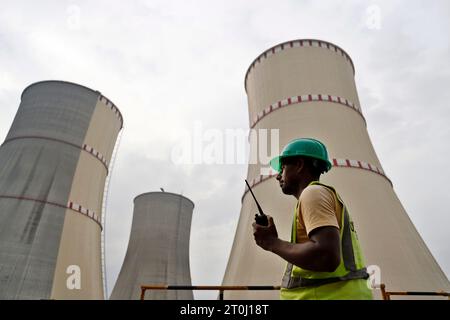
(165, 192)
(57, 81)
(289, 42)
(77, 85)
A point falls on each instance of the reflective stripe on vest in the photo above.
(290, 282)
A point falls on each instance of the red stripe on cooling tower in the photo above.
(68, 206)
(32, 199)
(374, 169)
(83, 147)
(96, 154)
(300, 100)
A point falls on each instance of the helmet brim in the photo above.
(275, 163)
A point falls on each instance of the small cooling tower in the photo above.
(158, 249)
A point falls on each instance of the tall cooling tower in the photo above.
(158, 249)
(53, 166)
(306, 88)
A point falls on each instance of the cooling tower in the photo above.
(306, 88)
(53, 166)
(158, 249)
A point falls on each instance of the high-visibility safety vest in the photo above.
(347, 282)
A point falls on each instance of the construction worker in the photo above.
(324, 257)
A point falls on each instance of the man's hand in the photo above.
(265, 237)
(321, 253)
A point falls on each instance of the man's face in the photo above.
(288, 176)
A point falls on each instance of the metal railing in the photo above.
(221, 289)
(387, 294)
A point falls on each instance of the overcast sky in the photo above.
(170, 64)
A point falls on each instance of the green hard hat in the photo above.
(306, 147)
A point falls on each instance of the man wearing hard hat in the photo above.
(324, 256)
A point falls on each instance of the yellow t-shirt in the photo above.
(318, 208)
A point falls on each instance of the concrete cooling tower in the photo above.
(306, 88)
(53, 166)
(158, 249)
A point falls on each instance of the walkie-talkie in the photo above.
(260, 218)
